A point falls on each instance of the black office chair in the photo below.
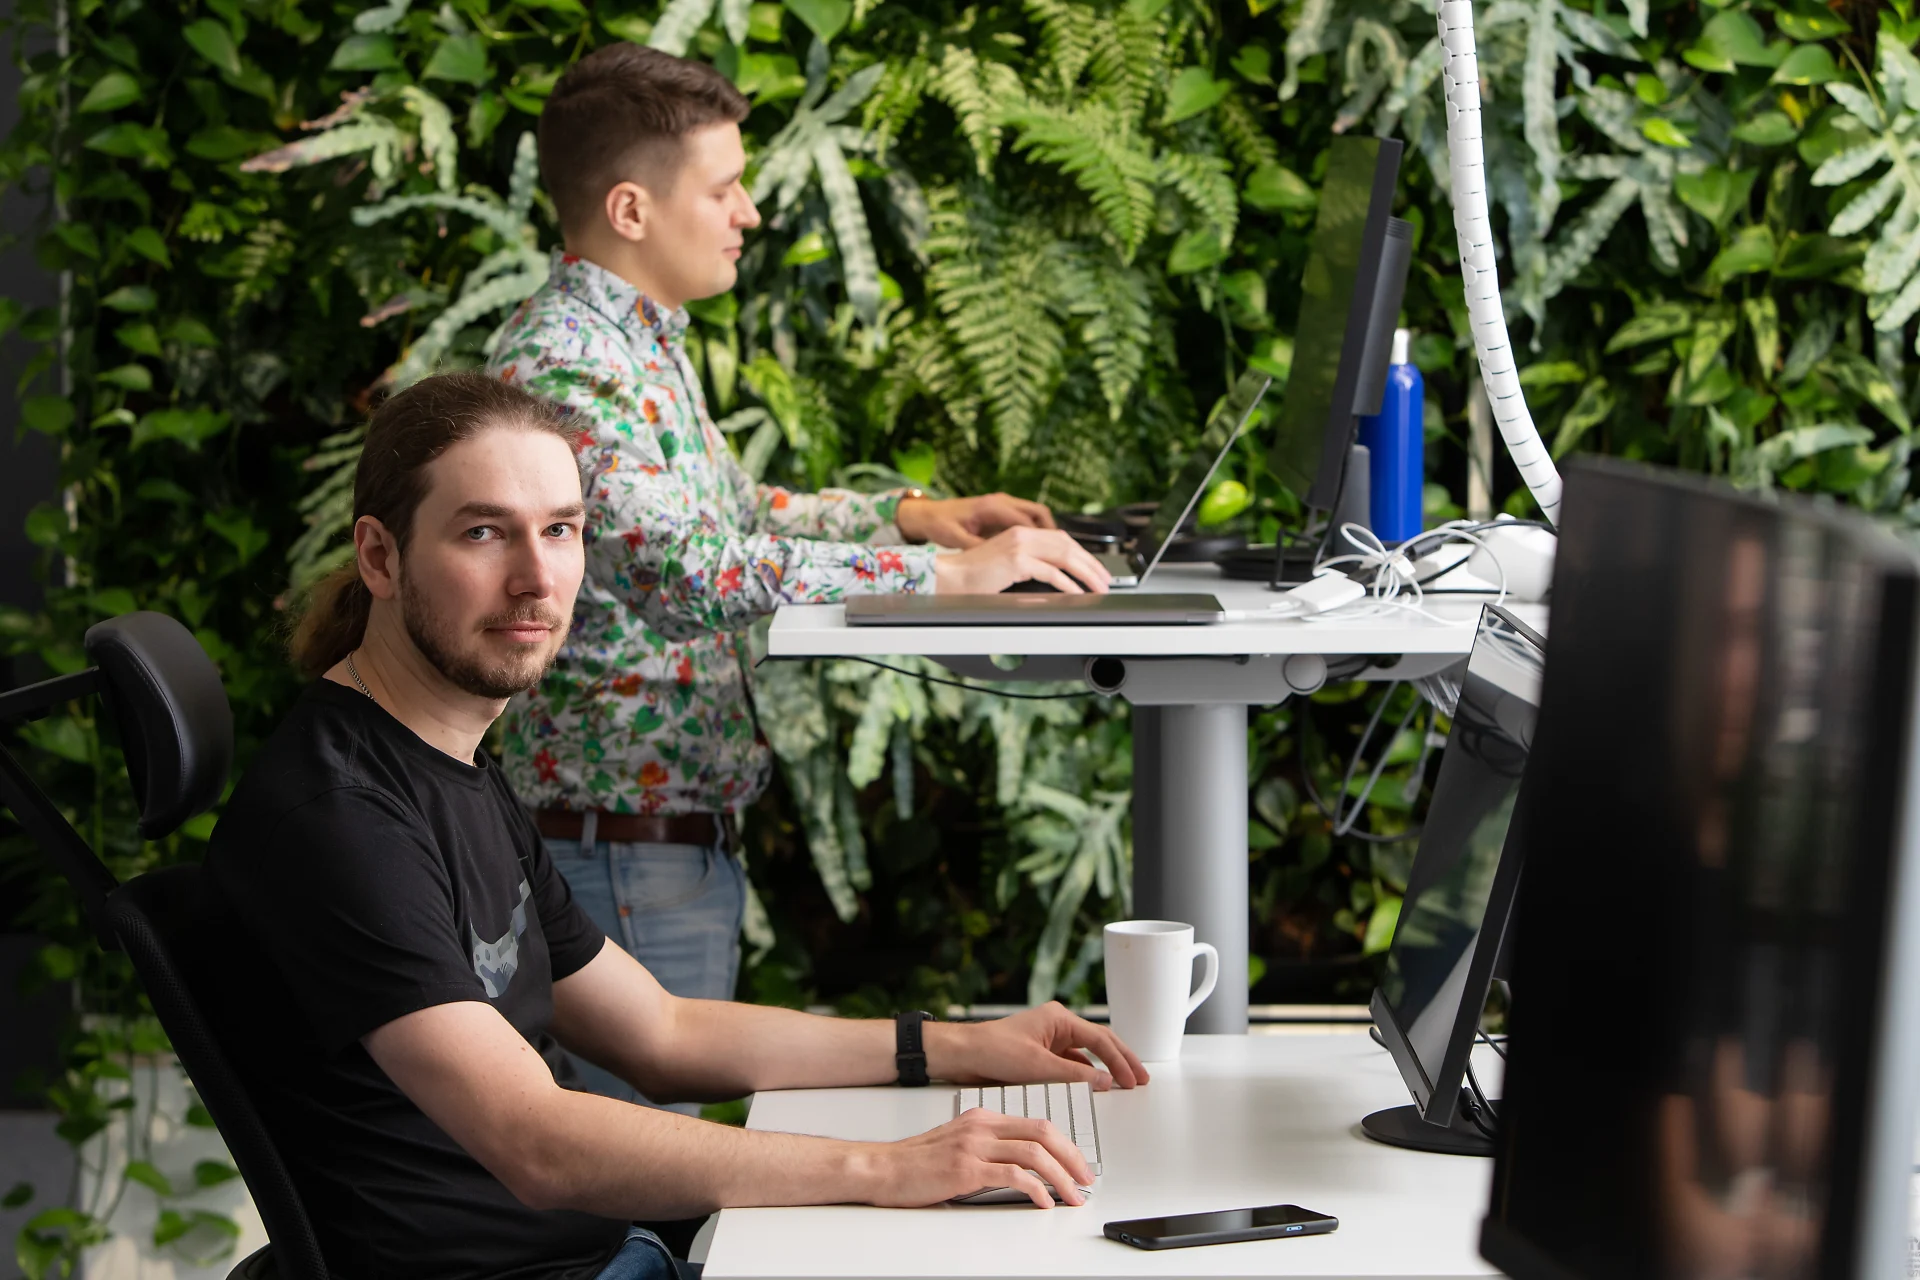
(176, 730)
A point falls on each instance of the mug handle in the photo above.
(1207, 983)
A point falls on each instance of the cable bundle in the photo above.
(1395, 584)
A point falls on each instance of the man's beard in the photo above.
(472, 672)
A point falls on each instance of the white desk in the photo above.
(1190, 688)
(1239, 1121)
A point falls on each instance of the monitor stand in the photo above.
(1403, 1127)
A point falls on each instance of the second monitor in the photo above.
(1460, 892)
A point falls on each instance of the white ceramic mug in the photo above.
(1150, 981)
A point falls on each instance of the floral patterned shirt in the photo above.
(646, 709)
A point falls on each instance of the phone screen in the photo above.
(1273, 1219)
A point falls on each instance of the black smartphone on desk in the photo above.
(1271, 1222)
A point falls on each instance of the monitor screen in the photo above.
(1337, 293)
(1709, 1072)
(1454, 914)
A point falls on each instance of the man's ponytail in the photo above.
(332, 623)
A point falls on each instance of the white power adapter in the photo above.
(1524, 553)
(1322, 592)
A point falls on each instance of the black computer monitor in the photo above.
(1338, 291)
(1383, 317)
(1713, 1056)
(1459, 894)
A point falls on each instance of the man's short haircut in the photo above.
(620, 114)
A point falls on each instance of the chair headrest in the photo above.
(175, 725)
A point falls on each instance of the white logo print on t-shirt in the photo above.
(496, 962)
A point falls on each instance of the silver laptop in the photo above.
(1030, 609)
(1230, 419)
(1134, 608)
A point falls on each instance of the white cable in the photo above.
(1394, 576)
(1473, 227)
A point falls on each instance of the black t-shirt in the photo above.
(374, 875)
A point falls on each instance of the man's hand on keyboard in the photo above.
(1034, 1046)
(979, 1149)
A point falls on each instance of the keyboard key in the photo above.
(1068, 1106)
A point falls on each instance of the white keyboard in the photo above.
(1068, 1106)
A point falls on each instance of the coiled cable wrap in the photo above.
(1473, 227)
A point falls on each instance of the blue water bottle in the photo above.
(1396, 439)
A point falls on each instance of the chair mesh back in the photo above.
(173, 926)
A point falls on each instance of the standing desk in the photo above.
(1238, 1121)
(1189, 687)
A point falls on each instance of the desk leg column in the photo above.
(1202, 846)
(1149, 844)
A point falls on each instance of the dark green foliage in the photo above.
(1012, 244)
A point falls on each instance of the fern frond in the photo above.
(438, 145)
(1074, 453)
(989, 280)
(484, 209)
(1090, 147)
(524, 183)
(873, 731)
(1248, 140)
(924, 363)
(1132, 63)
(376, 135)
(1068, 33)
(473, 305)
(1574, 250)
(1666, 225)
(979, 94)
(1206, 183)
(1115, 301)
(895, 102)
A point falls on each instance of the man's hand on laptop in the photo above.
(1015, 555)
(967, 522)
(1041, 1045)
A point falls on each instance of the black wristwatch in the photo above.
(909, 1054)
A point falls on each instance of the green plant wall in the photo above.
(1008, 244)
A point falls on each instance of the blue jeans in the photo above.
(643, 1257)
(676, 908)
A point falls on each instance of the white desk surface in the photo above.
(1238, 1121)
(821, 630)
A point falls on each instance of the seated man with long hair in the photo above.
(418, 968)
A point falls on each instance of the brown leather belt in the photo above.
(635, 828)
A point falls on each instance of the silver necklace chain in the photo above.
(355, 673)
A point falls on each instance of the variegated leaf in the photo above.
(1542, 120)
(734, 16)
(1865, 207)
(1303, 42)
(1848, 165)
(677, 26)
(859, 265)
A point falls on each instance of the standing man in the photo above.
(640, 749)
